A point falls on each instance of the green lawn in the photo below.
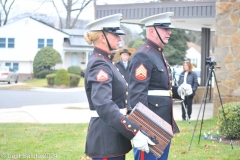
(35, 83)
(43, 82)
(66, 142)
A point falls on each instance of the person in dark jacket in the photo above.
(123, 64)
(150, 76)
(188, 77)
(109, 132)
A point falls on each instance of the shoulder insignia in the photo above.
(102, 76)
(141, 72)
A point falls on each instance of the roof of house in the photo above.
(49, 26)
(75, 32)
(77, 38)
(76, 42)
(40, 22)
(195, 46)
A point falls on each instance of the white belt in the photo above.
(93, 113)
(160, 93)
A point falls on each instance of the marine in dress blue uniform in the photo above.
(109, 131)
(150, 79)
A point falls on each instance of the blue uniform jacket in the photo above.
(150, 71)
(109, 134)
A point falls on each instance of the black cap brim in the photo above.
(116, 30)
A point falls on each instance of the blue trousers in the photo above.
(140, 155)
(115, 158)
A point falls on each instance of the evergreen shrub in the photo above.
(74, 80)
(74, 70)
(232, 114)
(50, 79)
(43, 73)
(62, 78)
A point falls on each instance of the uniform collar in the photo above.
(104, 53)
(154, 45)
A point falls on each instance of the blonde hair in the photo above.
(91, 37)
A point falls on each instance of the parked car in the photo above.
(7, 74)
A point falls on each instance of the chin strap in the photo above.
(110, 48)
(158, 35)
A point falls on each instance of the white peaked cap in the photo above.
(109, 24)
(162, 20)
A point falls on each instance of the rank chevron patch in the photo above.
(141, 72)
(102, 76)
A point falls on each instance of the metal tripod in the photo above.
(204, 98)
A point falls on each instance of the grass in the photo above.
(35, 83)
(67, 142)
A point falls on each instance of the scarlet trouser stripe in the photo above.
(141, 155)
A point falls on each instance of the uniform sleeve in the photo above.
(100, 80)
(140, 68)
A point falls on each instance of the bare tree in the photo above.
(6, 7)
(68, 5)
(131, 33)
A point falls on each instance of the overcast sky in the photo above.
(36, 6)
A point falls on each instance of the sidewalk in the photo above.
(76, 113)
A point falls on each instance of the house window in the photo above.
(15, 67)
(40, 43)
(50, 42)
(10, 42)
(2, 42)
(8, 64)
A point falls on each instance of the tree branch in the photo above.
(40, 6)
(6, 12)
(80, 11)
(64, 4)
(60, 19)
(75, 2)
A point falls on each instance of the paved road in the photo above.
(17, 98)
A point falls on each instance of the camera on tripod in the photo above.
(210, 61)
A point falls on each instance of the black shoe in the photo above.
(184, 119)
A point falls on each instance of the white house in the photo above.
(75, 49)
(194, 54)
(22, 39)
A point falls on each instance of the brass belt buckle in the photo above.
(170, 93)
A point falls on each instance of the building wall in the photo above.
(76, 59)
(227, 52)
(194, 56)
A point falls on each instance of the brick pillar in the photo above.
(227, 52)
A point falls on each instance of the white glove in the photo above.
(184, 90)
(140, 141)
